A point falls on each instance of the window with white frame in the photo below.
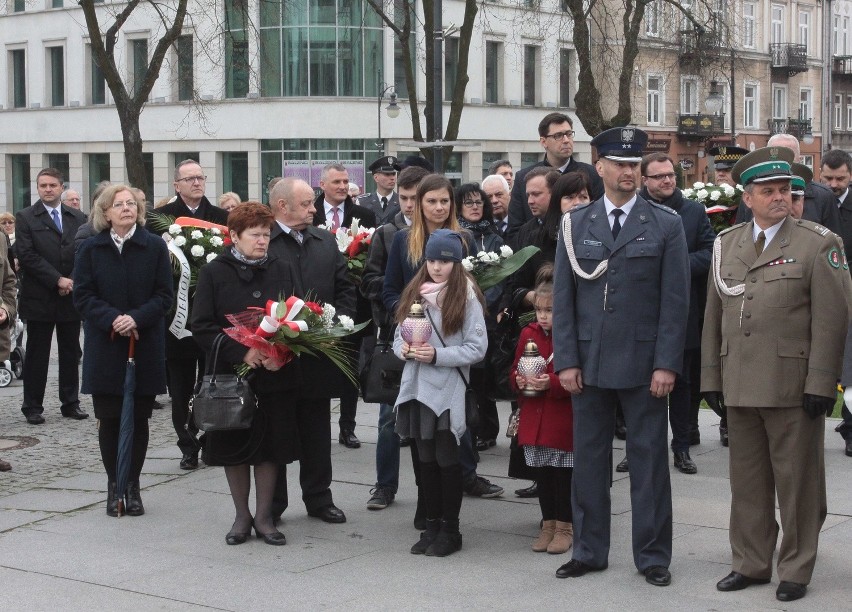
(848, 113)
(655, 99)
(689, 96)
(844, 36)
(652, 18)
(779, 102)
(137, 62)
(685, 11)
(749, 15)
(55, 75)
(804, 28)
(750, 105)
(838, 111)
(835, 35)
(776, 24)
(808, 160)
(806, 103)
(17, 83)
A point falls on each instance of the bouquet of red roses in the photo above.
(288, 328)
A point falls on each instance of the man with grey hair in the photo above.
(820, 203)
(70, 197)
(497, 189)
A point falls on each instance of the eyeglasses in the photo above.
(128, 203)
(7, 222)
(661, 177)
(192, 179)
(561, 135)
(472, 203)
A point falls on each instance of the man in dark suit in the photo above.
(321, 268)
(659, 178)
(621, 298)
(184, 359)
(384, 201)
(820, 202)
(45, 248)
(496, 187)
(836, 172)
(335, 209)
(556, 134)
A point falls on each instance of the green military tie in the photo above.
(760, 243)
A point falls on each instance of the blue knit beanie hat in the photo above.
(445, 245)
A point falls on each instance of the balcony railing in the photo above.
(842, 65)
(698, 47)
(796, 127)
(701, 125)
(789, 58)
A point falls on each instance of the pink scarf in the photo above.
(433, 293)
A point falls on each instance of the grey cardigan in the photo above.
(439, 385)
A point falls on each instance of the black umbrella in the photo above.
(125, 432)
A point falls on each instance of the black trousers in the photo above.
(183, 375)
(489, 420)
(39, 340)
(680, 403)
(313, 418)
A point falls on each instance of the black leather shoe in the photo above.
(849, 447)
(622, 467)
(575, 569)
(134, 500)
(75, 413)
(658, 575)
(234, 538)
(684, 462)
(329, 514)
(112, 500)
(723, 435)
(348, 439)
(531, 491)
(483, 444)
(35, 419)
(189, 461)
(276, 538)
(737, 582)
(790, 591)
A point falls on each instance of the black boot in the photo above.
(420, 512)
(112, 499)
(134, 500)
(433, 526)
(449, 540)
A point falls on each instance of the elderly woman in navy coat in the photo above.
(122, 287)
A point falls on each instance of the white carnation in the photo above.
(493, 257)
(467, 264)
(506, 251)
(729, 191)
(715, 195)
(482, 256)
(180, 241)
(688, 193)
(708, 184)
(196, 235)
(175, 229)
(702, 194)
(211, 257)
(216, 241)
(698, 186)
(197, 251)
(347, 322)
(215, 231)
(740, 187)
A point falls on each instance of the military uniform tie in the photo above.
(760, 243)
(616, 224)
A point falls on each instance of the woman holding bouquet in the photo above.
(242, 277)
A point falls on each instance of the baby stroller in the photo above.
(14, 366)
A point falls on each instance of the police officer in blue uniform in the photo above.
(384, 202)
(621, 298)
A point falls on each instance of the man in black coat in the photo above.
(556, 134)
(659, 178)
(820, 202)
(45, 248)
(335, 209)
(321, 269)
(184, 359)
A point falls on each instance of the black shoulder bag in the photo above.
(471, 406)
(223, 401)
(381, 375)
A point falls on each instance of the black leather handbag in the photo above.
(222, 401)
(381, 374)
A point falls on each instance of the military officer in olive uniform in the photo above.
(777, 311)
(384, 202)
(620, 305)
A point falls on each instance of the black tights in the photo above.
(554, 493)
(441, 477)
(108, 439)
(239, 481)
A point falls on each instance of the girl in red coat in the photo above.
(545, 430)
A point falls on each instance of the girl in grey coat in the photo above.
(430, 405)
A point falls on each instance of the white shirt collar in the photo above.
(843, 197)
(626, 208)
(328, 208)
(769, 233)
(50, 209)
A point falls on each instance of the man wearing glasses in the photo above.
(184, 360)
(556, 135)
(658, 180)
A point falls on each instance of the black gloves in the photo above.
(816, 405)
(716, 402)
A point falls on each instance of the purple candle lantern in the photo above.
(416, 328)
(531, 365)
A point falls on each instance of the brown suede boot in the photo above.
(563, 538)
(543, 541)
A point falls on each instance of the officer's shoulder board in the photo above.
(663, 207)
(364, 196)
(815, 227)
(728, 229)
(579, 207)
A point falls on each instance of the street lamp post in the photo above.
(392, 111)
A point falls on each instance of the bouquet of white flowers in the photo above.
(489, 269)
(720, 202)
(353, 242)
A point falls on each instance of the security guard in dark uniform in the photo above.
(384, 202)
(620, 304)
(724, 158)
(778, 307)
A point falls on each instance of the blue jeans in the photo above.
(387, 450)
